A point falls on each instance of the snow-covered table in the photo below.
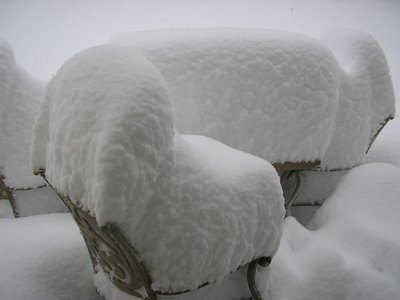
(300, 103)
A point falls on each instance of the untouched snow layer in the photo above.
(277, 95)
(270, 93)
(20, 95)
(351, 253)
(44, 258)
(353, 248)
(366, 97)
(105, 136)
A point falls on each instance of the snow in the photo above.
(42, 258)
(351, 250)
(366, 97)
(20, 95)
(280, 96)
(106, 131)
(322, 267)
(273, 94)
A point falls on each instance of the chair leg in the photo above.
(293, 197)
(251, 275)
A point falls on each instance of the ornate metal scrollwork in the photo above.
(251, 275)
(110, 251)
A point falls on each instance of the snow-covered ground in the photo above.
(351, 248)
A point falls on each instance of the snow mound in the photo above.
(194, 208)
(353, 249)
(280, 96)
(272, 94)
(366, 97)
(20, 95)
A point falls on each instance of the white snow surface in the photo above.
(44, 258)
(273, 94)
(352, 249)
(194, 208)
(366, 97)
(20, 95)
(281, 96)
(351, 252)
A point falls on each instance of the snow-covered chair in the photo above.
(161, 213)
(20, 95)
(284, 97)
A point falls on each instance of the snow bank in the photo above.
(273, 94)
(44, 257)
(20, 95)
(366, 97)
(353, 249)
(193, 208)
(280, 96)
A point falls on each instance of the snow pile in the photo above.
(353, 249)
(366, 97)
(20, 95)
(281, 96)
(194, 208)
(273, 94)
(44, 257)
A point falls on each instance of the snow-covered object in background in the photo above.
(366, 98)
(270, 93)
(194, 208)
(20, 95)
(353, 248)
(276, 95)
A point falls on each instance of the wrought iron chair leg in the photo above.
(251, 275)
(6, 193)
(293, 197)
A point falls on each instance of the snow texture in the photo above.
(44, 258)
(366, 97)
(280, 96)
(352, 249)
(194, 208)
(269, 93)
(20, 95)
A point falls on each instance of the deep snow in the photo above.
(30, 260)
(351, 251)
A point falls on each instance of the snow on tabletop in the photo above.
(193, 208)
(281, 96)
(20, 95)
(270, 93)
(352, 249)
